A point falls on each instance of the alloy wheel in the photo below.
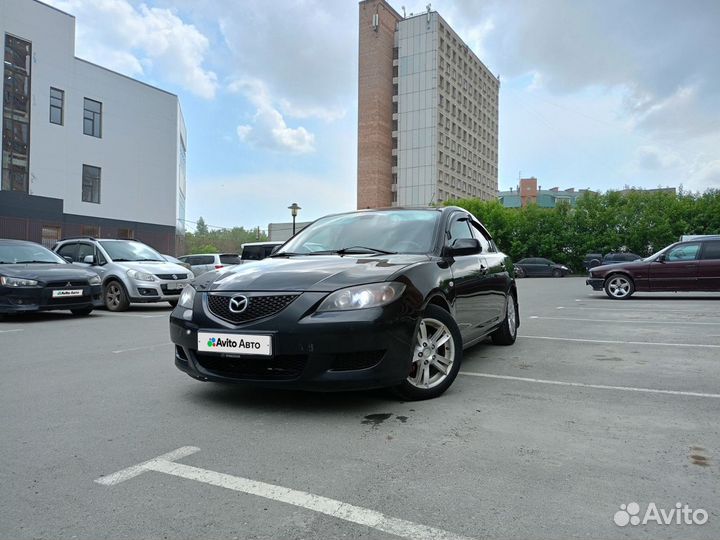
(619, 286)
(511, 316)
(112, 296)
(433, 355)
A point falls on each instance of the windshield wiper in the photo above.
(36, 262)
(283, 254)
(355, 250)
(152, 260)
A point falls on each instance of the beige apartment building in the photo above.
(427, 112)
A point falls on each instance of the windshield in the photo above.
(28, 254)
(398, 231)
(656, 254)
(127, 250)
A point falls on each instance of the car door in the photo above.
(709, 266)
(545, 267)
(498, 275)
(473, 307)
(677, 270)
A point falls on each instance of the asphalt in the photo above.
(525, 455)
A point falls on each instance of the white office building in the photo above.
(85, 150)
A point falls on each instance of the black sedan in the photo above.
(368, 299)
(535, 267)
(33, 278)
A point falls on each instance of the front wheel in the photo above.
(436, 356)
(557, 273)
(115, 297)
(619, 287)
(507, 333)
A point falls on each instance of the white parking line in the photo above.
(597, 386)
(302, 499)
(633, 310)
(13, 330)
(142, 348)
(622, 321)
(136, 315)
(654, 343)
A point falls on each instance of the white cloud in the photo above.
(652, 158)
(142, 42)
(269, 129)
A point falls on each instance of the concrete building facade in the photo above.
(528, 192)
(427, 112)
(86, 151)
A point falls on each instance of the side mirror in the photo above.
(661, 258)
(89, 259)
(68, 259)
(463, 246)
(274, 249)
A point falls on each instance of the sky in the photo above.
(597, 95)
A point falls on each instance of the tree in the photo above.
(200, 227)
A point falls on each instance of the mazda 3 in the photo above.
(366, 299)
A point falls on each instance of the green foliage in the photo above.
(204, 240)
(638, 222)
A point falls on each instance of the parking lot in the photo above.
(599, 403)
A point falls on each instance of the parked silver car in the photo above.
(205, 262)
(130, 270)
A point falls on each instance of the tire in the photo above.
(427, 379)
(507, 333)
(519, 272)
(619, 286)
(116, 299)
(173, 303)
(557, 273)
(82, 312)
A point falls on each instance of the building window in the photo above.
(91, 184)
(92, 231)
(57, 104)
(49, 235)
(92, 118)
(16, 115)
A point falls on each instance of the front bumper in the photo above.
(155, 291)
(361, 349)
(596, 283)
(24, 299)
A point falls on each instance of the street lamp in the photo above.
(294, 211)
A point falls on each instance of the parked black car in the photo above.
(537, 267)
(375, 298)
(612, 258)
(592, 260)
(33, 278)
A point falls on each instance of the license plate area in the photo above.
(235, 344)
(67, 293)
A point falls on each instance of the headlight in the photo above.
(140, 276)
(187, 297)
(364, 296)
(17, 282)
(95, 280)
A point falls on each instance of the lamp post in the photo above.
(294, 211)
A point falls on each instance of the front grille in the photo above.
(257, 306)
(172, 277)
(281, 367)
(356, 360)
(72, 283)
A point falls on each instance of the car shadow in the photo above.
(656, 297)
(272, 400)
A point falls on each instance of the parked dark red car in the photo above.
(683, 266)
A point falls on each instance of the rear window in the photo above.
(230, 258)
(201, 259)
(254, 253)
(711, 250)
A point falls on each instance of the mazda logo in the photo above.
(238, 303)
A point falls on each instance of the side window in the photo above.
(69, 250)
(459, 229)
(684, 252)
(711, 250)
(192, 261)
(209, 259)
(84, 250)
(480, 236)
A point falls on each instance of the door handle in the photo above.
(483, 269)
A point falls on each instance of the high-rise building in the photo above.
(427, 112)
(85, 151)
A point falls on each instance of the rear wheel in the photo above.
(436, 356)
(83, 312)
(115, 297)
(507, 333)
(619, 287)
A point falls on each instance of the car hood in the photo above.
(634, 265)
(319, 273)
(155, 267)
(46, 272)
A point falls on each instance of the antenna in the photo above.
(428, 13)
(403, 8)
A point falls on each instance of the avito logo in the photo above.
(629, 514)
(227, 342)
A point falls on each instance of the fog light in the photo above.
(187, 315)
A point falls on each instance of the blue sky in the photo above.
(593, 94)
